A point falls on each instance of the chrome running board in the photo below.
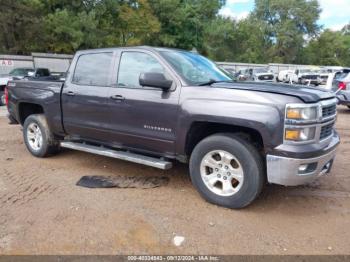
(118, 154)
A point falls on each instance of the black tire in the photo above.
(49, 144)
(251, 163)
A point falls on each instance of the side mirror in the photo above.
(31, 74)
(157, 80)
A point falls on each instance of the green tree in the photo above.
(183, 21)
(67, 32)
(20, 26)
(288, 23)
(219, 39)
(243, 41)
(253, 44)
(93, 24)
(137, 23)
(330, 48)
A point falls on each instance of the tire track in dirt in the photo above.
(24, 189)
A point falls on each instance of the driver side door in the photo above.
(143, 118)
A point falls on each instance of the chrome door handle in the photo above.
(118, 98)
(70, 93)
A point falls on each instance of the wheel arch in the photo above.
(26, 109)
(200, 130)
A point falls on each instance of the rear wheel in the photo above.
(227, 170)
(38, 138)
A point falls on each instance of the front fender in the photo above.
(265, 119)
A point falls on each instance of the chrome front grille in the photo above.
(326, 131)
(265, 77)
(329, 110)
(329, 113)
(309, 76)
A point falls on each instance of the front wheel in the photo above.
(227, 170)
(37, 136)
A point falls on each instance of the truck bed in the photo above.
(45, 94)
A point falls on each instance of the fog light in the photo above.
(305, 169)
(302, 168)
(292, 134)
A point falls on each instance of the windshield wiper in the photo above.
(211, 81)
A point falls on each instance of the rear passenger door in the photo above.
(143, 117)
(84, 97)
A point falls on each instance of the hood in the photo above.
(263, 74)
(306, 94)
(309, 74)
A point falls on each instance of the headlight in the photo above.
(300, 134)
(302, 113)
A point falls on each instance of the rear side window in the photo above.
(93, 69)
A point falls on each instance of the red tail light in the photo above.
(342, 86)
(6, 96)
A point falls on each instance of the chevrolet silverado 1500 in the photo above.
(156, 105)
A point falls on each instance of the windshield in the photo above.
(194, 68)
(340, 75)
(21, 71)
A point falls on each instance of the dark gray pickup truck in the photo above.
(155, 105)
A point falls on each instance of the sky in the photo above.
(335, 13)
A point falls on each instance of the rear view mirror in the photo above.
(157, 80)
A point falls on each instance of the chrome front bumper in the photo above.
(285, 171)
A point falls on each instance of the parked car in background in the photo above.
(240, 76)
(341, 84)
(333, 69)
(305, 76)
(17, 73)
(153, 106)
(42, 74)
(324, 74)
(283, 75)
(60, 76)
(259, 75)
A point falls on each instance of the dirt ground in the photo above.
(42, 211)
